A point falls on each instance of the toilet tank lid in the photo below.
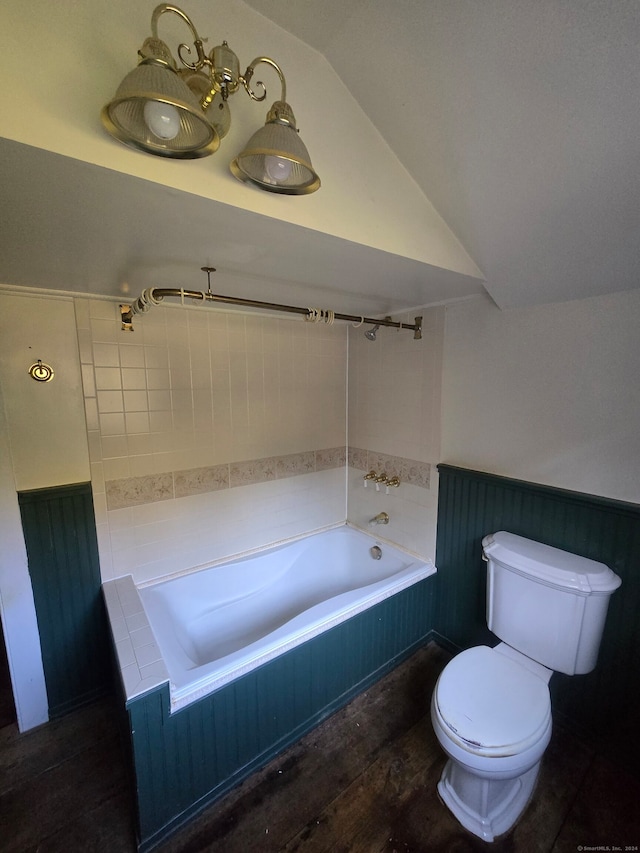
(550, 565)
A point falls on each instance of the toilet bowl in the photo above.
(490, 708)
(492, 717)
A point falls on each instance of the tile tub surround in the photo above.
(194, 404)
(152, 540)
(193, 389)
(135, 491)
(412, 507)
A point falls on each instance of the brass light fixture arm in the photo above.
(197, 41)
(204, 60)
(248, 74)
(174, 104)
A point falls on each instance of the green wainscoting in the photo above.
(603, 705)
(62, 550)
(185, 760)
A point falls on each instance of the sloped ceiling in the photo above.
(519, 120)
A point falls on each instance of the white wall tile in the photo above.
(110, 401)
(198, 388)
(112, 423)
(108, 378)
(106, 355)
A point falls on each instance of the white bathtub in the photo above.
(218, 623)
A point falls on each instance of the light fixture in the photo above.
(183, 113)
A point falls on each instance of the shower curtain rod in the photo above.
(155, 295)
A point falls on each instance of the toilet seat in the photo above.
(490, 705)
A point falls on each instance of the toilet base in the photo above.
(486, 807)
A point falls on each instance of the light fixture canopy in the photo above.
(183, 112)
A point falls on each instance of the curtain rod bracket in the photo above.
(126, 317)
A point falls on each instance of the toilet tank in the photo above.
(546, 603)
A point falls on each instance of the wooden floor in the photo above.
(362, 782)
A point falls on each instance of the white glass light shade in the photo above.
(126, 116)
(277, 160)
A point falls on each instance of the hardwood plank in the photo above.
(361, 817)
(23, 756)
(39, 807)
(605, 815)
(109, 828)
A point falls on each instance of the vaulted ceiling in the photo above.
(518, 121)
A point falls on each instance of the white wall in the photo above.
(17, 609)
(547, 394)
(45, 420)
(43, 442)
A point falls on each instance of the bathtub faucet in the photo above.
(380, 518)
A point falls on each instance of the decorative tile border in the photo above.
(196, 481)
(252, 472)
(407, 470)
(135, 491)
(335, 457)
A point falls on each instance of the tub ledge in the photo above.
(140, 661)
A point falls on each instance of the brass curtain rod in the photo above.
(155, 295)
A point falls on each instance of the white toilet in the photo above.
(491, 709)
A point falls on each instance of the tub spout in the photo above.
(380, 518)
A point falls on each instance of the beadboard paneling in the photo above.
(60, 535)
